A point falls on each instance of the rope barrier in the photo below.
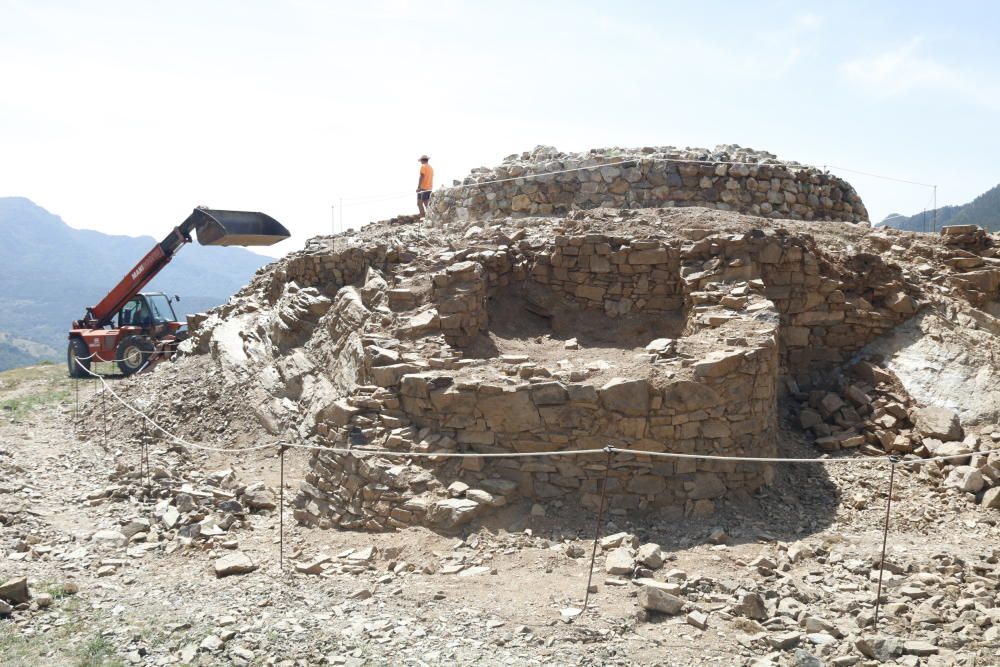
(106, 361)
(609, 451)
(371, 199)
(499, 455)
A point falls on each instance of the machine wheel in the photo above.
(77, 349)
(132, 354)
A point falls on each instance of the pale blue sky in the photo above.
(121, 116)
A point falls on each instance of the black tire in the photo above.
(77, 351)
(132, 354)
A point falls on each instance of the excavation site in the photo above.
(627, 406)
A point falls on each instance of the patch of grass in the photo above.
(17, 408)
(57, 591)
(98, 652)
(16, 376)
(30, 388)
(55, 646)
(14, 649)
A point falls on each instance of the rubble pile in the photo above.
(813, 603)
(174, 507)
(872, 412)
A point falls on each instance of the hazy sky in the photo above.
(122, 116)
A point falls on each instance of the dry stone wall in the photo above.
(754, 305)
(827, 313)
(617, 275)
(726, 178)
(720, 403)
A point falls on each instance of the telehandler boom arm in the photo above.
(213, 227)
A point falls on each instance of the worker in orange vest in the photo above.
(425, 184)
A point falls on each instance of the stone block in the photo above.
(510, 411)
(646, 485)
(389, 376)
(453, 512)
(650, 555)
(589, 292)
(966, 479)
(620, 561)
(653, 598)
(549, 393)
(688, 396)
(937, 422)
(707, 485)
(629, 397)
(652, 256)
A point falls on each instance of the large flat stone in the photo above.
(718, 363)
(510, 412)
(15, 591)
(937, 422)
(453, 512)
(690, 396)
(629, 397)
(619, 561)
(653, 598)
(549, 393)
(389, 376)
(235, 563)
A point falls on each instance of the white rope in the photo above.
(172, 436)
(566, 452)
(370, 199)
(887, 178)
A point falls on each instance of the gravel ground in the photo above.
(785, 577)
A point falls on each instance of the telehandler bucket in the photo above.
(236, 228)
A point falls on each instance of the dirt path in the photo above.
(157, 601)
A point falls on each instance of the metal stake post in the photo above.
(600, 520)
(104, 410)
(935, 208)
(143, 461)
(893, 460)
(281, 508)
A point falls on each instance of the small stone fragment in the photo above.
(15, 591)
(652, 598)
(235, 563)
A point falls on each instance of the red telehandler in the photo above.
(138, 329)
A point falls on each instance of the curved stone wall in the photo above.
(757, 184)
(741, 308)
(709, 391)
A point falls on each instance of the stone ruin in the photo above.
(653, 330)
(727, 178)
(717, 318)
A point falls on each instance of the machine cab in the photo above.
(147, 310)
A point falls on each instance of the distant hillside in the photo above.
(984, 211)
(49, 272)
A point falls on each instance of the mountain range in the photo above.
(49, 273)
(984, 211)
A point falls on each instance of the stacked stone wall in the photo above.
(733, 180)
(756, 305)
(827, 313)
(618, 276)
(334, 268)
(725, 406)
